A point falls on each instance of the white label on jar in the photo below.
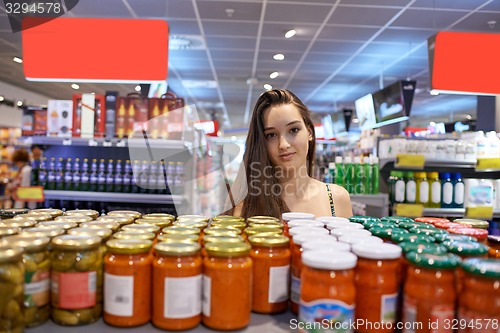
(399, 187)
(411, 191)
(207, 289)
(409, 314)
(182, 298)
(424, 192)
(436, 192)
(459, 193)
(338, 315)
(279, 278)
(447, 193)
(388, 305)
(295, 290)
(118, 295)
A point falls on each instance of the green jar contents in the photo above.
(467, 249)
(36, 262)
(422, 188)
(433, 232)
(387, 233)
(11, 289)
(77, 278)
(362, 219)
(412, 238)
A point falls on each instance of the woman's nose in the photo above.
(284, 145)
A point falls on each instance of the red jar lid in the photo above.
(447, 224)
(480, 234)
(431, 220)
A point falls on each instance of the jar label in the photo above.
(424, 192)
(399, 191)
(75, 290)
(409, 313)
(411, 191)
(447, 193)
(337, 315)
(295, 290)
(182, 297)
(279, 279)
(459, 193)
(207, 290)
(36, 288)
(441, 315)
(118, 295)
(388, 305)
(436, 192)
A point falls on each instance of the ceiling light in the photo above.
(19, 103)
(137, 88)
(434, 92)
(92, 93)
(432, 123)
(18, 60)
(279, 56)
(267, 86)
(290, 33)
(75, 86)
(2, 98)
(183, 42)
(468, 117)
(355, 120)
(274, 75)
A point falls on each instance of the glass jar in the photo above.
(141, 228)
(192, 218)
(74, 218)
(466, 249)
(51, 211)
(479, 300)
(122, 220)
(271, 273)
(9, 231)
(134, 235)
(223, 218)
(127, 282)
(19, 223)
(252, 231)
(328, 292)
(377, 283)
(199, 224)
(11, 212)
(285, 217)
(36, 278)
(227, 286)
(39, 217)
(159, 216)
(113, 226)
(76, 290)
(480, 234)
(262, 220)
(88, 212)
(177, 282)
(43, 232)
(363, 219)
(473, 223)
(173, 238)
(132, 213)
(494, 243)
(104, 234)
(387, 233)
(229, 224)
(57, 224)
(429, 291)
(11, 289)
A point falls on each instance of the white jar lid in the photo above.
(296, 216)
(377, 251)
(307, 230)
(323, 244)
(352, 239)
(326, 259)
(339, 232)
(302, 238)
(331, 219)
(305, 223)
(344, 225)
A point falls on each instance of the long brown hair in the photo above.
(269, 203)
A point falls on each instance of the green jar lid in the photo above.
(436, 233)
(436, 261)
(466, 248)
(422, 248)
(362, 219)
(380, 224)
(489, 268)
(387, 232)
(410, 224)
(412, 238)
(396, 219)
(454, 237)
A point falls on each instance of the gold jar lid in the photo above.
(10, 254)
(162, 223)
(88, 212)
(193, 218)
(479, 224)
(75, 242)
(141, 227)
(273, 225)
(97, 224)
(132, 213)
(129, 245)
(180, 230)
(26, 217)
(51, 211)
(176, 238)
(74, 218)
(229, 224)
(177, 249)
(228, 218)
(219, 231)
(43, 232)
(40, 217)
(262, 219)
(18, 223)
(58, 224)
(105, 234)
(9, 231)
(134, 235)
(250, 231)
(222, 239)
(30, 243)
(227, 249)
(158, 216)
(9, 212)
(120, 219)
(269, 241)
(191, 224)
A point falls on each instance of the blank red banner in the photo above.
(95, 50)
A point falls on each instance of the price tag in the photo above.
(480, 212)
(29, 194)
(93, 143)
(487, 164)
(410, 161)
(409, 210)
(66, 142)
(106, 143)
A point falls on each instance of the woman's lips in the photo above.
(287, 156)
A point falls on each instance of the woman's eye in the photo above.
(295, 130)
(269, 135)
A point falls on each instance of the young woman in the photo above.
(21, 160)
(278, 163)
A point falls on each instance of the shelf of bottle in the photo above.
(113, 197)
(451, 212)
(438, 163)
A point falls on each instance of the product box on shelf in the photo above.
(111, 107)
(89, 115)
(132, 114)
(60, 118)
(34, 121)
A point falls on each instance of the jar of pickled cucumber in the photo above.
(76, 290)
(36, 278)
(104, 234)
(11, 289)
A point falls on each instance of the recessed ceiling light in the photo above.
(468, 117)
(92, 93)
(274, 75)
(75, 86)
(279, 56)
(137, 88)
(267, 86)
(432, 123)
(19, 103)
(290, 33)
(355, 120)
(2, 98)
(18, 60)
(434, 92)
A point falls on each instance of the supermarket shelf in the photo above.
(370, 204)
(438, 163)
(113, 197)
(451, 212)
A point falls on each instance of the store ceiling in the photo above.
(343, 50)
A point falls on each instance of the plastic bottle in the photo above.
(458, 190)
(446, 190)
(348, 174)
(399, 187)
(339, 171)
(422, 188)
(375, 175)
(411, 188)
(435, 190)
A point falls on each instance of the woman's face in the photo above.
(287, 137)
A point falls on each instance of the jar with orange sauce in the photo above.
(429, 291)
(378, 273)
(122, 220)
(141, 228)
(177, 283)
(328, 292)
(173, 238)
(271, 273)
(252, 231)
(467, 249)
(127, 282)
(219, 239)
(285, 217)
(479, 301)
(494, 243)
(260, 219)
(227, 286)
